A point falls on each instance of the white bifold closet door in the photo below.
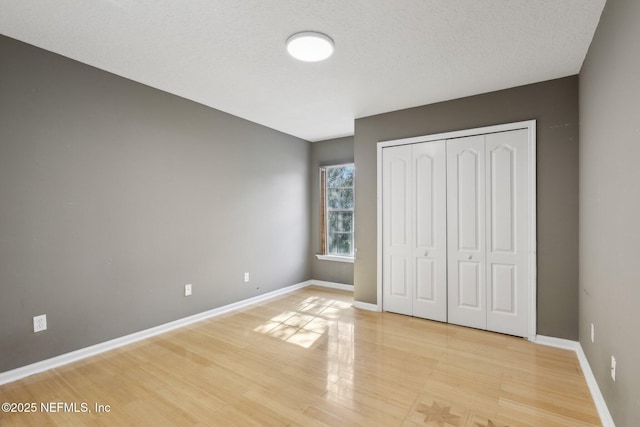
(466, 231)
(455, 230)
(487, 232)
(414, 230)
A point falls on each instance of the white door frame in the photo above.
(530, 126)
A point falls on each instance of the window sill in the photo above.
(336, 258)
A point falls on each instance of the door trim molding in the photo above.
(530, 126)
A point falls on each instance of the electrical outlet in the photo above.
(40, 323)
(246, 277)
(593, 336)
(613, 368)
(187, 290)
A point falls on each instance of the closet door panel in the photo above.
(425, 281)
(398, 231)
(466, 231)
(502, 288)
(507, 225)
(430, 250)
(468, 185)
(469, 285)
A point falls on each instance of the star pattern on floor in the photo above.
(430, 411)
(439, 415)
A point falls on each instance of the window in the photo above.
(336, 204)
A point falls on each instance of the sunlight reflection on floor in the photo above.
(307, 324)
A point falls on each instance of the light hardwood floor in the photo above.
(308, 358)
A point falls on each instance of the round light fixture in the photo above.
(310, 46)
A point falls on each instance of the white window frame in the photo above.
(335, 257)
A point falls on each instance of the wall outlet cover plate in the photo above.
(40, 323)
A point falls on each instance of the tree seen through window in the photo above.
(339, 209)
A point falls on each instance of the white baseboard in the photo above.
(596, 394)
(331, 285)
(365, 306)
(557, 342)
(63, 359)
(598, 398)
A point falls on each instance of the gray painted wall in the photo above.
(555, 105)
(610, 207)
(323, 153)
(115, 195)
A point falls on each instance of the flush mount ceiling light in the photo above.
(310, 46)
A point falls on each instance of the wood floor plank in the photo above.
(309, 359)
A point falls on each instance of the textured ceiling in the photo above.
(390, 54)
